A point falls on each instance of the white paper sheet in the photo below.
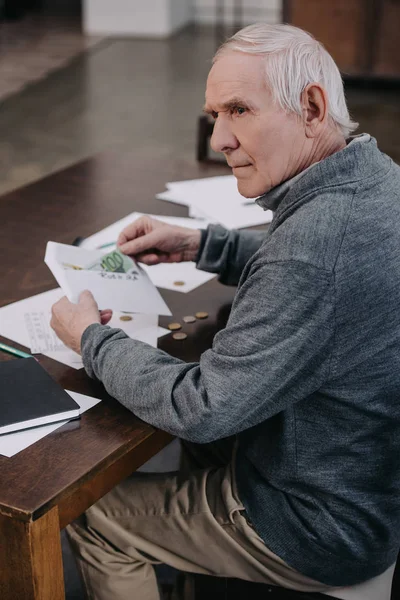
(161, 331)
(163, 275)
(195, 213)
(12, 325)
(12, 443)
(42, 338)
(119, 291)
(217, 199)
(179, 277)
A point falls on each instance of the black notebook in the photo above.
(29, 397)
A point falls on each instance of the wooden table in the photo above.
(46, 486)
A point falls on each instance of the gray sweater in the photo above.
(306, 372)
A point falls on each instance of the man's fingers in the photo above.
(141, 244)
(150, 258)
(130, 232)
(86, 295)
(55, 309)
(105, 317)
(86, 298)
(59, 304)
(138, 228)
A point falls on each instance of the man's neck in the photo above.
(321, 148)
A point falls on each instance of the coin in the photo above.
(125, 318)
(179, 336)
(201, 315)
(189, 319)
(174, 326)
(178, 283)
(74, 267)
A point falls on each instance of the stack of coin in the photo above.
(187, 319)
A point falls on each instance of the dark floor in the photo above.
(133, 95)
(73, 586)
(36, 45)
(124, 94)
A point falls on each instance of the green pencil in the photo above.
(106, 245)
(14, 351)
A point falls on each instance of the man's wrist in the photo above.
(85, 333)
(192, 249)
(203, 237)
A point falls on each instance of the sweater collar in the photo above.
(272, 199)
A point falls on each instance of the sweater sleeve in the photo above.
(274, 351)
(226, 252)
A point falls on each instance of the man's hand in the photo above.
(69, 320)
(151, 242)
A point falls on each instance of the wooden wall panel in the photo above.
(338, 24)
(387, 61)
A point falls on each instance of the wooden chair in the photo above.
(204, 132)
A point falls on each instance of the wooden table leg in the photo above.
(30, 558)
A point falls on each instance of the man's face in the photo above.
(262, 143)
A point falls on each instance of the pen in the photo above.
(78, 241)
(106, 245)
(14, 351)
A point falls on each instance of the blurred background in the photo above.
(81, 76)
(78, 77)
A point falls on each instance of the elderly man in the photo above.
(291, 420)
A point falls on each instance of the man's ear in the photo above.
(314, 104)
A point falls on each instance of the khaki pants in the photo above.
(192, 520)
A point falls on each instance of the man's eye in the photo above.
(214, 114)
(238, 110)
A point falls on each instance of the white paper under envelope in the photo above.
(41, 336)
(13, 325)
(118, 291)
(218, 199)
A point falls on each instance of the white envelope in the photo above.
(122, 293)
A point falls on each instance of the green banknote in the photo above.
(114, 262)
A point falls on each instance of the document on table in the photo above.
(218, 200)
(42, 338)
(14, 318)
(12, 443)
(131, 291)
(180, 277)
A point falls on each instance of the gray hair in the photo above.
(294, 59)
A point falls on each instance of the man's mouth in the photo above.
(234, 167)
(237, 170)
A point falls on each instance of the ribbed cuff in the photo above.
(203, 233)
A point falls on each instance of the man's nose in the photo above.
(223, 139)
